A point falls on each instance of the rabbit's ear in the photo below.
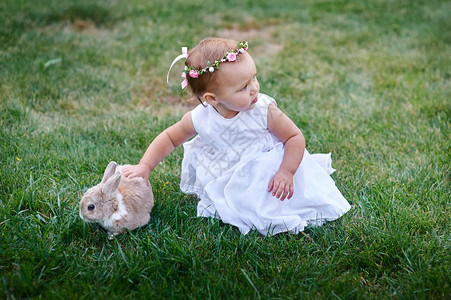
(109, 171)
(112, 183)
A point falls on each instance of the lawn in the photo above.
(83, 83)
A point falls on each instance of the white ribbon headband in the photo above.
(181, 56)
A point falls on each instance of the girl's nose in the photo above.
(254, 87)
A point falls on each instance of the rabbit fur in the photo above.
(117, 203)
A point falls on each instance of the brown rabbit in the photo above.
(117, 203)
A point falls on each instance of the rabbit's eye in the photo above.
(91, 207)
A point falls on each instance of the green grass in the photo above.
(83, 83)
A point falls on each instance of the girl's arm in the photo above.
(288, 133)
(162, 146)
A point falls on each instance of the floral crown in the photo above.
(211, 67)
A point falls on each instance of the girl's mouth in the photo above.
(255, 100)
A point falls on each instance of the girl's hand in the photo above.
(140, 170)
(281, 185)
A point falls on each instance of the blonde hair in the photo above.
(209, 49)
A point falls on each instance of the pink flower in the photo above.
(231, 56)
(193, 74)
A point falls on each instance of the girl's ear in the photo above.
(210, 98)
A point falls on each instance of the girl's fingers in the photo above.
(275, 188)
(270, 186)
(291, 192)
(280, 190)
(287, 193)
(283, 196)
(129, 174)
(127, 171)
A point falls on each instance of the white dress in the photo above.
(230, 163)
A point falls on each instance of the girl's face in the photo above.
(238, 87)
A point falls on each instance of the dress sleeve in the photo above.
(196, 116)
(263, 102)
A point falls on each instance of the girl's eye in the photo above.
(244, 88)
